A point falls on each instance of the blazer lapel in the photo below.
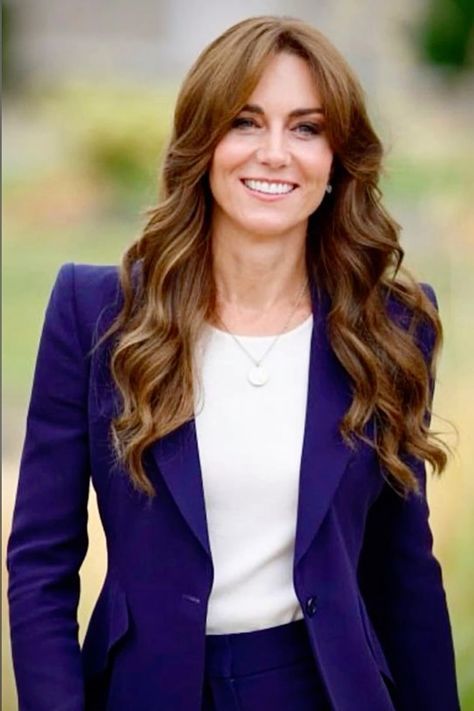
(324, 455)
(177, 457)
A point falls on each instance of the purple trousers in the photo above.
(272, 669)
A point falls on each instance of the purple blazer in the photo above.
(364, 572)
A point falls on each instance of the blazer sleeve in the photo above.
(401, 582)
(48, 540)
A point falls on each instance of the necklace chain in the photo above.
(259, 361)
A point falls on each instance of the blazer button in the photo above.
(311, 606)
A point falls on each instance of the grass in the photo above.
(31, 263)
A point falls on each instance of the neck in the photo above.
(258, 275)
(258, 281)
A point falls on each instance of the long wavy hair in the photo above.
(352, 253)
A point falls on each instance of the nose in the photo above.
(273, 150)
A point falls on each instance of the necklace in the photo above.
(258, 375)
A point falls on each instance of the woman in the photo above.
(251, 399)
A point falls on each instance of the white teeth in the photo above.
(263, 186)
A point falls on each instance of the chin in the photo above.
(264, 229)
(271, 227)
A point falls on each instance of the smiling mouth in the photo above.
(266, 187)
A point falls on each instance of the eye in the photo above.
(243, 122)
(309, 129)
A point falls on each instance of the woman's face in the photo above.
(270, 171)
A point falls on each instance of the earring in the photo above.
(329, 188)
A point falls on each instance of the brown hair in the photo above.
(353, 254)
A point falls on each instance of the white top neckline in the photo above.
(257, 338)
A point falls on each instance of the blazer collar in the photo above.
(324, 457)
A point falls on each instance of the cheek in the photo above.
(216, 170)
(318, 163)
(224, 162)
(226, 167)
(328, 157)
(319, 174)
(229, 155)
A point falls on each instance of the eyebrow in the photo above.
(255, 109)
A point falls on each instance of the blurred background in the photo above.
(88, 99)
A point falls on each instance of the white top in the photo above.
(250, 442)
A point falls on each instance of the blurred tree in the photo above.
(6, 54)
(447, 33)
(9, 65)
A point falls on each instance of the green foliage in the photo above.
(10, 69)
(28, 279)
(118, 134)
(6, 35)
(417, 178)
(447, 33)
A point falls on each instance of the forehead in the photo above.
(287, 80)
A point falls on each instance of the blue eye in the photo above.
(310, 129)
(306, 129)
(241, 122)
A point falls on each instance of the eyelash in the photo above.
(312, 129)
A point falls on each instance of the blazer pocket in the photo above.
(373, 642)
(109, 623)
